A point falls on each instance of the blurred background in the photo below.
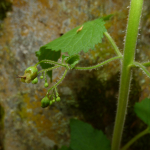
(90, 96)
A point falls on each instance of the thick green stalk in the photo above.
(146, 131)
(128, 59)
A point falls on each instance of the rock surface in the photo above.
(32, 24)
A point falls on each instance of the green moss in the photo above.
(5, 6)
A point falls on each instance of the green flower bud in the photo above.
(29, 74)
(45, 102)
(41, 77)
(58, 99)
(35, 81)
(46, 84)
(53, 100)
(50, 103)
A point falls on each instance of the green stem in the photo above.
(146, 64)
(99, 65)
(146, 131)
(58, 81)
(128, 59)
(46, 70)
(45, 77)
(50, 62)
(113, 43)
(136, 64)
(143, 68)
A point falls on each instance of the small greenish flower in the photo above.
(45, 102)
(29, 74)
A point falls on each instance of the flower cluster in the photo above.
(30, 76)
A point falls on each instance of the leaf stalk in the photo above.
(146, 131)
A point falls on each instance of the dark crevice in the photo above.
(5, 6)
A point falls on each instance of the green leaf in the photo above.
(48, 54)
(108, 17)
(85, 137)
(64, 57)
(73, 42)
(142, 110)
(73, 60)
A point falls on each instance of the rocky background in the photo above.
(87, 95)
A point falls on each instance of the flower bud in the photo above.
(58, 99)
(46, 84)
(41, 77)
(50, 103)
(29, 74)
(35, 81)
(45, 102)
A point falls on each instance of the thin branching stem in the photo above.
(146, 131)
(146, 64)
(58, 82)
(49, 69)
(50, 62)
(143, 68)
(99, 65)
(113, 43)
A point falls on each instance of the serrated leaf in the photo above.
(47, 54)
(85, 137)
(142, 110)
(73, 60)
(73, 42)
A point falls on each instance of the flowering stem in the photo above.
(99, 65)
(50, 62)
(46, 70)
(58, 81)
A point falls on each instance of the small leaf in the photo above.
(142, 110)
(48, 54)
(64, 57)
(73, 42)
(73, 60)
(85, 137)
(108, 17)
